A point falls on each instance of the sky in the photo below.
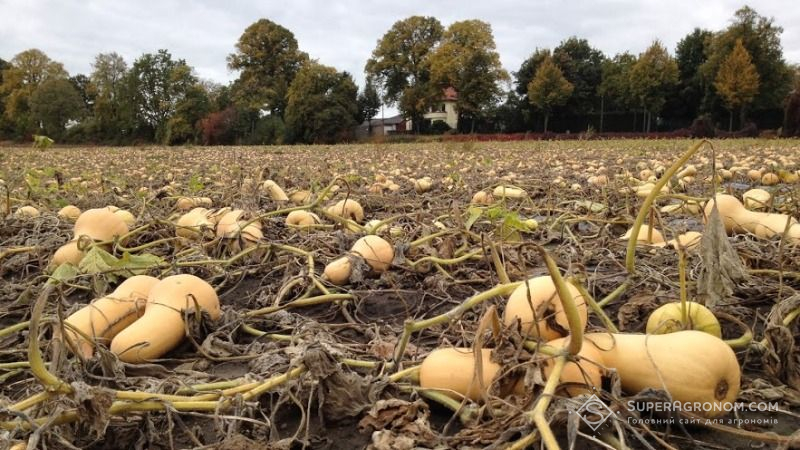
(343, 33)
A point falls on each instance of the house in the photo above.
(380, 127)
(444, 110)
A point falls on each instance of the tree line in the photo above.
(731, 79)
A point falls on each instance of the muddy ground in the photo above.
(344, 398)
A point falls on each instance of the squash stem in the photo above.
(630, 255)
(610, 326)
(537, 414)
(498, 264)
(38, 366)
(742, 341)
(616, 292)
(325, 298)
(427, 238)
(14, 328)
(412, 326)
(450, 261)
(682, 280)
(567, 302)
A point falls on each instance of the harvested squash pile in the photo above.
(615, 294)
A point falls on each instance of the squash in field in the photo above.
(698, 370)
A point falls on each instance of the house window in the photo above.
(438, 108)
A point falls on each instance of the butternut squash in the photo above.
(275, 191)
(99, 224)
(347, 209)
(645, 236)
(161, 328)
(69, 212)
(105, 317)
(698, 370)
(375, 250)
(667, 319)
(504, 191)
(302, 218)
(689, 241)
(451, 370)
(737, 219)
(543, 316)
(756, 199)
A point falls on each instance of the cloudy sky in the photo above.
(343, 33)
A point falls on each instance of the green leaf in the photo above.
(496, 212)
(98, 260)
(64, 272)
(474, 214)
(589, 205)
(138, 264)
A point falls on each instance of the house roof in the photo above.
(394, 120)
(449, 93)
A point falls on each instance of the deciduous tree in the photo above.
(467, 60)
(652, 78)
(737, 81)
(690, 55)
(582, 66)
(267, 58)
(28, 70)
(615, 88)
(369, 103)
(54, 103)
(87, 92)
(108, 74)
(155, 86)
(322, 107)
(762, 40)
(548, 88)
(400, 64)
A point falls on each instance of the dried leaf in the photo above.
(342, 394)
(721, 268)
(94, 405)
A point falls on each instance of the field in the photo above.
(297, 361)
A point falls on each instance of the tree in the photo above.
(401, 66)
(582, 66)
(522, 78)
(28, 70)
(467, 60)
(83, 86)
(761, 38)
(322, 106)
(369, 103)
(54, 103)
(615, 88)
(690, 55)
(107, 80)
(267, 58)
(737, 81)
(155, 86)
(527, 70)
(791, 115)
(5, 125)
(184, 125)
(549, 88)
(219, 127)
(651, 79)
